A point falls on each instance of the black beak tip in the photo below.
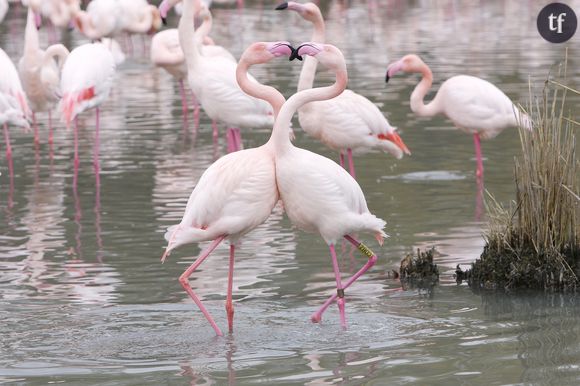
(387, 77)
(282, 6)
(164, 20)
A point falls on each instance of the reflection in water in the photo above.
(83, 297)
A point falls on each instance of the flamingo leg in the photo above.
(50, 133)
(341, 159)
(35, 124)
(195, 111)
(229, 302)
(76, 156)
(215, 132)
(183, 99)
(317, 316)
(230, 140)
(184, 281)
(339, 288)
(478, 157)
(9, 160)
(96, 164)
(351, 163)
(238, 139)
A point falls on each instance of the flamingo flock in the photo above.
(238, 192)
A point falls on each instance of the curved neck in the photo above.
(205, 28)
(280, 135)
(258, 90)
(308, 71)
(58, 51)
(417, 103)
(187, 35)
(31, 41)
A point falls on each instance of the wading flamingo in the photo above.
(213, 81)
(475, 106)
(139, 17)
(40, 74)
(167, 54)
(224, 202)
(102, 18)
(350, 122)
(87, 78)
(13, 108)
(319, 195)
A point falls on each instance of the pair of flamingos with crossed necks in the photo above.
(238, 192)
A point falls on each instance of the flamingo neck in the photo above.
(204, 29)
(57, 51)
(280, 135)
(308, 71)
(31, 40)
(187, 35)
(258, 90)
(418, 105)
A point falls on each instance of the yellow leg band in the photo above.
(366, 250)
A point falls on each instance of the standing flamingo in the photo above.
(236, 193)
(167, 53)
(350, 122)
(13, 108)
(474, 105)
(102, 18)
(87, 78)
(213, 81)
(319, 195)
(40, 73)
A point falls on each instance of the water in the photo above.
(85, 300)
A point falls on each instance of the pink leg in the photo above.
(10, 162)
(215, 132)
(238, 139)
(76, 157)
(230, 140)
(339, 288)
(195, 111)
(183, 279)
(183, 99)
(229, 303)
(341, 159)
(479, 160)
(35, 124)
(50, 137)
(351, 163)
(96, 164)
(317, 316)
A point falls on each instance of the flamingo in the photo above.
(139, 17)
(59, 12)
(319, 195)
(350, 122)
(475, 106)
(13, 106)
(223, 204)
(102, 18)
(167, 53)
(213, 81)
(87, 78)
(40, 73)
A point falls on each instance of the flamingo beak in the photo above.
(165, 254)
(282, 6)
(397, 140)
(392, 70)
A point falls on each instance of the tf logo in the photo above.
(557, 22)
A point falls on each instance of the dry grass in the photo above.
(535, 243)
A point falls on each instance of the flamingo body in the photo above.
(3, 9)
(10, 84)
(101, 19)
(87, 78)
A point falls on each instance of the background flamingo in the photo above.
(3, 9)
(212, 79)
(87, 78)
(223, 203)
(319, 195)
(474, 105)
(350, 122)
(40, 73)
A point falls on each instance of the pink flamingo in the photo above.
(13, 105)
(223, 203)
(87, 78)
(102, 18)
(350, 122)
(475, 106)
(167, 54)
(319, 195)
(40, 74)
(213, 81)
(3, 9)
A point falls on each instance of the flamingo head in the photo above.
(262, 52)
(308, 11)
(327, 54)
(396, 145)
(164, 8)
(408, 63)
(156, 21)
